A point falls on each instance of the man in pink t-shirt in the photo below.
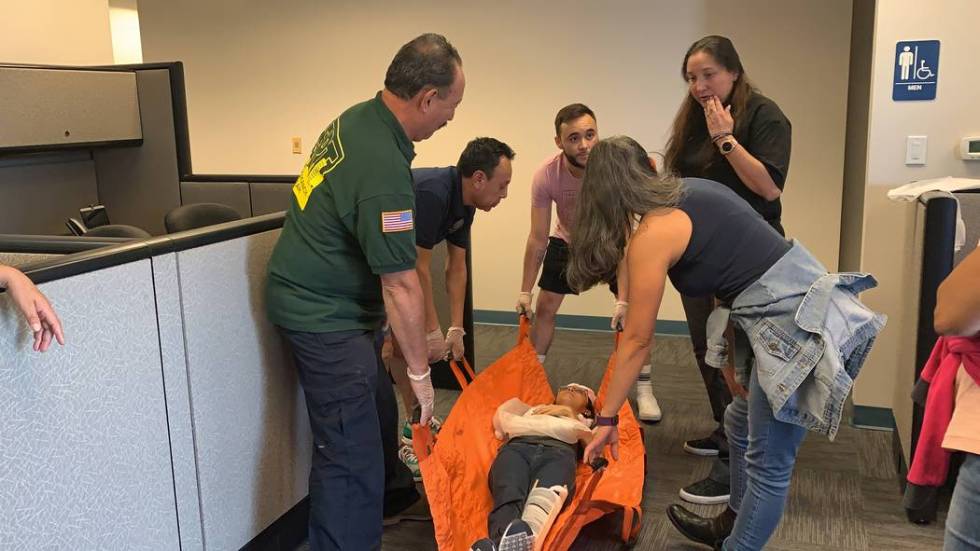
(558, 181)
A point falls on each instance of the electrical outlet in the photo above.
(297, 145)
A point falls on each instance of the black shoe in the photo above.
(705, 447)
(485, 544)
(708, 531)
(706, 492)
(416, 511)
(517, 537)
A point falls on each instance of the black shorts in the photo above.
(553, 275)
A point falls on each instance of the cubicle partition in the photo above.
(935, 255)
(20, 250)
(171, 419)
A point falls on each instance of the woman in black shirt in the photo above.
(728, 132)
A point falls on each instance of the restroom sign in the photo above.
(916, 70)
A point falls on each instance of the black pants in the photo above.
(519, 463)
(356, 477)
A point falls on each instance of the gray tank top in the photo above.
(731, 244)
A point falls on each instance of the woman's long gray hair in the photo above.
(620, 186)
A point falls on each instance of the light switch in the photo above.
(297, 145)
(915, 150)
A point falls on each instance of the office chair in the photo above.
(117, 230)
(198, 215)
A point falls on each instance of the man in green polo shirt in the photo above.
(346, 255)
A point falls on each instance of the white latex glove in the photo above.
(454, 343)
(619, 315)
(436, 344)
(524, 304)
(422, 387)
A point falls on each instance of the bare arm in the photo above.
(404, 303)
(423, 265)
(958, 300)
(456, 283)
(537, 245)
(654, 248)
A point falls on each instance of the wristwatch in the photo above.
(601, 421)
(727, 145)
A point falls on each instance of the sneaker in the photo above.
(705, 447)
(485, 544)
(418, 511)
(647, 403)
(517, 537)
(434, 423)
(706, 492)
(407, 455)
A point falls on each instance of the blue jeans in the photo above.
(762, 467)
(962, 528)
(737, 430)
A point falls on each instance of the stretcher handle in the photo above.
(460, 378)
(598, 464)
(523, 328)
(561, 539)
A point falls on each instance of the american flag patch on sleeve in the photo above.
(399, 220)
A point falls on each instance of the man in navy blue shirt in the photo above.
(446, 200)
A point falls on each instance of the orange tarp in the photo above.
(455, 468)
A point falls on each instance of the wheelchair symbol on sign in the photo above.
(923, 72)
(908, 60)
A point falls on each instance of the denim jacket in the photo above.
(809, 336)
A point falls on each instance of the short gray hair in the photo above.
(428, 60)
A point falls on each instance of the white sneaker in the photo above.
(647, 403)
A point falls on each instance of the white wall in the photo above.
(856, 146)
(259, 73)
(55, 32)
(889, 228)
(124, 22)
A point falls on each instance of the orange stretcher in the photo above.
(455, 467)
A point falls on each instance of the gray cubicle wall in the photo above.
(139, 174)
(172, 418)
(22, 250)
(21, 259)
(970, 210)
(84, 451)
(139, 185)
(44, 107)
(252, 436)
(60, 182)
(249, 196)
